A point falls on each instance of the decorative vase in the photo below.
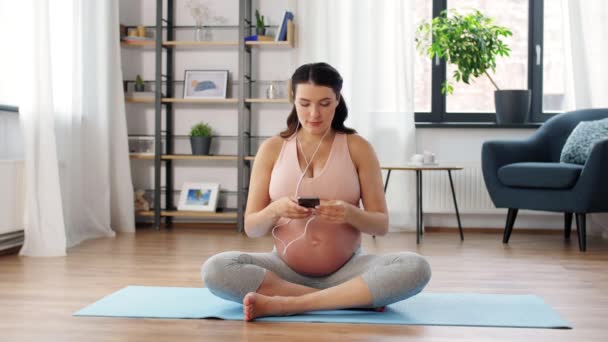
(512, 106)
(271, 92)
(199, 33)
(200, 145)
(260, 31)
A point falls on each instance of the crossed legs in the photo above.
(266, 286)
(278, 297)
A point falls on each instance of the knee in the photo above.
(417, 268)
(213, 271)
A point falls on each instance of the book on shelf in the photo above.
(255, 38)
(282, 31)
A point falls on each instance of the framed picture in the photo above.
(205, 84)
(198, 197)
(141, 145)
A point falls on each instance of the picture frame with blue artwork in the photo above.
(205, 84)
(198, 197)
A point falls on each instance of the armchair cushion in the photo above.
(581, 140)
(540, 175)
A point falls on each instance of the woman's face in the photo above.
(316, 107)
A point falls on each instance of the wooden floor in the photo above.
(39, 295)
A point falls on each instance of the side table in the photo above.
(419, 169)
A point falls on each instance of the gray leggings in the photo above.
(389, 277)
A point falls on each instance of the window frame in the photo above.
(438, 112)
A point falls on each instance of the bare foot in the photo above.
(257, 305)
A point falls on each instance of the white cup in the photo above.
(428, 157)
(417, 159)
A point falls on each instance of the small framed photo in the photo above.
(144, 145)
(199, 197)
(141, 145)
(205, 84)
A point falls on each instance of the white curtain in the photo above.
(586, 39)
(78, 181)
(371, 43)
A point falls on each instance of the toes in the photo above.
(248, 306)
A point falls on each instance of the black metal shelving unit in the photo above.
(244, 115)
(164, 105)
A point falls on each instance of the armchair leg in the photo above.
(567, 225)
(511, 215)
(582, 231)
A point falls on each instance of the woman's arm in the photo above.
(262, 215)
(259, 216)
(373, 219)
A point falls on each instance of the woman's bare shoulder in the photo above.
(360, 149)
(269, 149)
(357, 143)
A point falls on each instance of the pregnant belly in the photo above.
(322, 251)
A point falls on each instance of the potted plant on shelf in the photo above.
(200, 139)
(140, 86)
(471, 42)
(260, 26)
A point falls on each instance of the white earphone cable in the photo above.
(286, 246)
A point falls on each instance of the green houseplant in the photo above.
(200, 138)
(260, 26)
(139, 84)
(472, 42)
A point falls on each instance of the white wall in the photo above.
(11, 139)
(12, 185)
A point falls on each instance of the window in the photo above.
(553, 59)
(511, 72)
(536, 62)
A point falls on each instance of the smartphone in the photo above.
(309, 202)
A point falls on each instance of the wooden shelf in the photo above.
(289, 43)
(196, 157)
(187, 157)
(175, 43)
(180, 100)
(194, 44)
(177, 213)
(252, 100)
(214, 101)
(286, 44)
(139, 99)
(143, 43)
(141, 156)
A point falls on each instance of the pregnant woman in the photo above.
(317, 262)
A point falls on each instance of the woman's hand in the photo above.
(335, 211)
(288, 207)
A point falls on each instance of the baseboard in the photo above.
(190, 225)
(496, 230)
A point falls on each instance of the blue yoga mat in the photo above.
(452, 309)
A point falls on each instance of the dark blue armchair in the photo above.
(528, 174)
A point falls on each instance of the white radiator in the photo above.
(470, 188)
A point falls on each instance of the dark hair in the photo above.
(321, 74)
